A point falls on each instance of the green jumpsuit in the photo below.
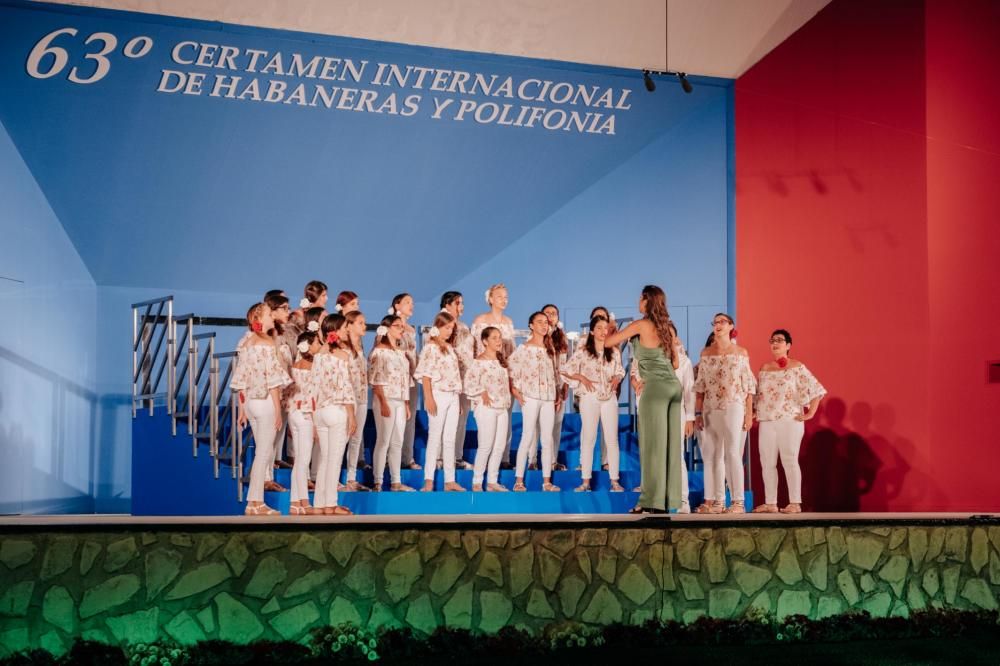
(659, 437)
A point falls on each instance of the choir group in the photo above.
(304, 372)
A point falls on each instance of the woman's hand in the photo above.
(277, 422)
(517, 395)
(352, 422)
(430, 405)
(383, 409)
(806, 416)
(485, 397)
(747, 422)
(241, 417)
(688, 428)
(615, 382)
(638, 385)
(587, 384)
(407, 410)
(699, 422)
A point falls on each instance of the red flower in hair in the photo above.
(257, 327)
(732, 334)
(332, 338)
(782, 362)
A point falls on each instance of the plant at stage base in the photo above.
(572, 635)
(344, 642)
(155, 654)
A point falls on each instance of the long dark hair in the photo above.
(547, 339)
(656, 313)
(275, 301)
(396, 301)
(332, 324)
(591, 345)
(484, 336)
(559, 340)
(350, 318)
(443, 319)
(387, 321)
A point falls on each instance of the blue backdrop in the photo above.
(132, 191)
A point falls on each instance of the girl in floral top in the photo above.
(299, 402)
(561, 344)
(389, 376)
(595, 372)
(497, 299)
(724, 391)
(355, 322)
(487, 384)
(334, 419)
(533, 373)
(402, 307)
(453, 303)
(259, 378)
(785, 387)
(439, 372)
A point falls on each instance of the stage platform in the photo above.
(163, 463)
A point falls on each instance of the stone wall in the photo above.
(242, 586)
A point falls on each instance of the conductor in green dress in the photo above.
(659, 410)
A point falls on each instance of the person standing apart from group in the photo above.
(788, 395)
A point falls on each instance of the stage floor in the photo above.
(583, 520)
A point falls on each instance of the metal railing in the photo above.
(150, 360)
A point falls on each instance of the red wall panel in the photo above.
(842, 236)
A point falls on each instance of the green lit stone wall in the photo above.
(246, 585)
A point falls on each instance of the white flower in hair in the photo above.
(444, 309)
(573, 335)
(381, 331)
(391, 310)
(338, 307)
(559, 325)
(611, 315)
(305, 303)
(313, 326)
(434, 332)
(303, 347)
(488, 296)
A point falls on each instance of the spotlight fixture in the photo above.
(685, 84)
(647, 78)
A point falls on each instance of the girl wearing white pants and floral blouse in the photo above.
(487, 383)
(788, 395)
(724, 391)
(389, 376)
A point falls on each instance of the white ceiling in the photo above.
(708, 37)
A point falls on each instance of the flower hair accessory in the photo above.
(303, 347)
(313, 326)
(782, 362)
(257, 327)
(434, 331)
(338, 307)
(305, 303)
(611, 316)
(332, 338)
(488, 292)
(732, 334)
(559, 325)
(444, 310)
(381, 331)
(391, 310)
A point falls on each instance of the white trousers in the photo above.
(493, 425)
(684, 467)
(537, 416)
(261, 414)
(389, 439)
(355, 454)
(279, 445)
(331, 428)
(409, 428)
(441, 429)
(557, 424)
(592, 413)
(722, 450)
(781, 438)
(300, 425)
